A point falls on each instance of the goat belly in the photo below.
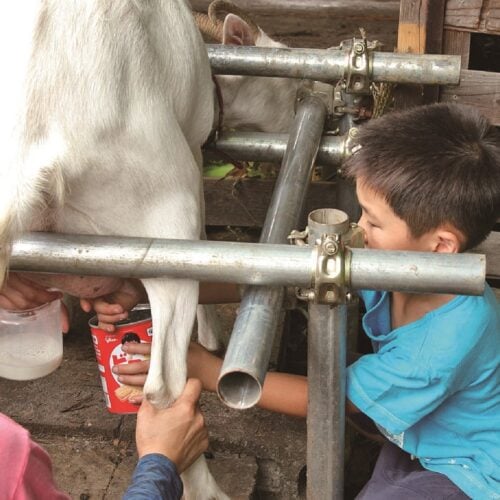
(88, 287)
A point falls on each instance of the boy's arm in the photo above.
(282, 392)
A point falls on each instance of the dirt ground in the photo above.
(254, 454)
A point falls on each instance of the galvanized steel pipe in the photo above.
(245, 263)
(326, 372)
(383, 270)
(247, 357)
(326, 375)
(259, 146)
(329, 65)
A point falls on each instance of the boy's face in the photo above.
(384, 230)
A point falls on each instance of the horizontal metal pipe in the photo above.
(330, 65)
(245, 263)
(259, 146)
(423, 272)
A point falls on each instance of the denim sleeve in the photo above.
(155, 478)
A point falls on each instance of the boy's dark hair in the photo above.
(433, 164)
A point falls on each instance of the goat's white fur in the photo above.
(107, 106)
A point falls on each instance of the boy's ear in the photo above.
(447, 239)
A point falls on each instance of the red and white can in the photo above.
(108, 349)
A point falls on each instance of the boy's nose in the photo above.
(361, 222)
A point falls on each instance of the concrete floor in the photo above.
(253, 453)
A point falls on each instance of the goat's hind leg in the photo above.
(173, 306)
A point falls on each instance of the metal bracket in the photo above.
(331, 281)
(357, 78)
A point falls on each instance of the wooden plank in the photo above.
(323, 25)
(463, 14)
(490, 16)
(368, 7)
(420, 32)
(491, 248)
(480, 89)
(474, 15)
(457, 43)
(245, 203)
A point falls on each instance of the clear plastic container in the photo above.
(30, 342)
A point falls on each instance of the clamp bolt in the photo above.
(330, 247)
(359, 48)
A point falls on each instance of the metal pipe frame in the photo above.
(326, 375)
(330, 65)
(260, 146)
(244, 263)
(247, 358)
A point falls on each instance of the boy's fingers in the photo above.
(132, 368)
(136, 348)
(103, 307)
(110, 318)
(136, 380)
(192, 391)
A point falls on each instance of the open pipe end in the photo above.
(239, 390)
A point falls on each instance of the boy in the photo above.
(428, 179)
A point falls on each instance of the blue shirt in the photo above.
(155, 478)
(433, 387)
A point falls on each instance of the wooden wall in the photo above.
(477, 88)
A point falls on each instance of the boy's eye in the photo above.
(371, 224)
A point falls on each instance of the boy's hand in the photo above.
(201, 364)
(18, 294)
(134, 374)
(177, 432)
(114, 307)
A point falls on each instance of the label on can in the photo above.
(108, 349)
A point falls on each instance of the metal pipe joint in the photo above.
(332, 235)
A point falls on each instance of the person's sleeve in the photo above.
(25, 467)
(155, 478)
(394, 390)
(38, 481)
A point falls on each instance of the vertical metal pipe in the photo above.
(247, 358)
(326, 361)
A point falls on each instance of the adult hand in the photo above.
(177, 432)
(114, 307)
(18, 294)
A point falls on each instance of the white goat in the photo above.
(249, 102)
(105, 106)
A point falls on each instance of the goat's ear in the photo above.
(236, 31)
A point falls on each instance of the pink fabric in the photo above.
(25, 467)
